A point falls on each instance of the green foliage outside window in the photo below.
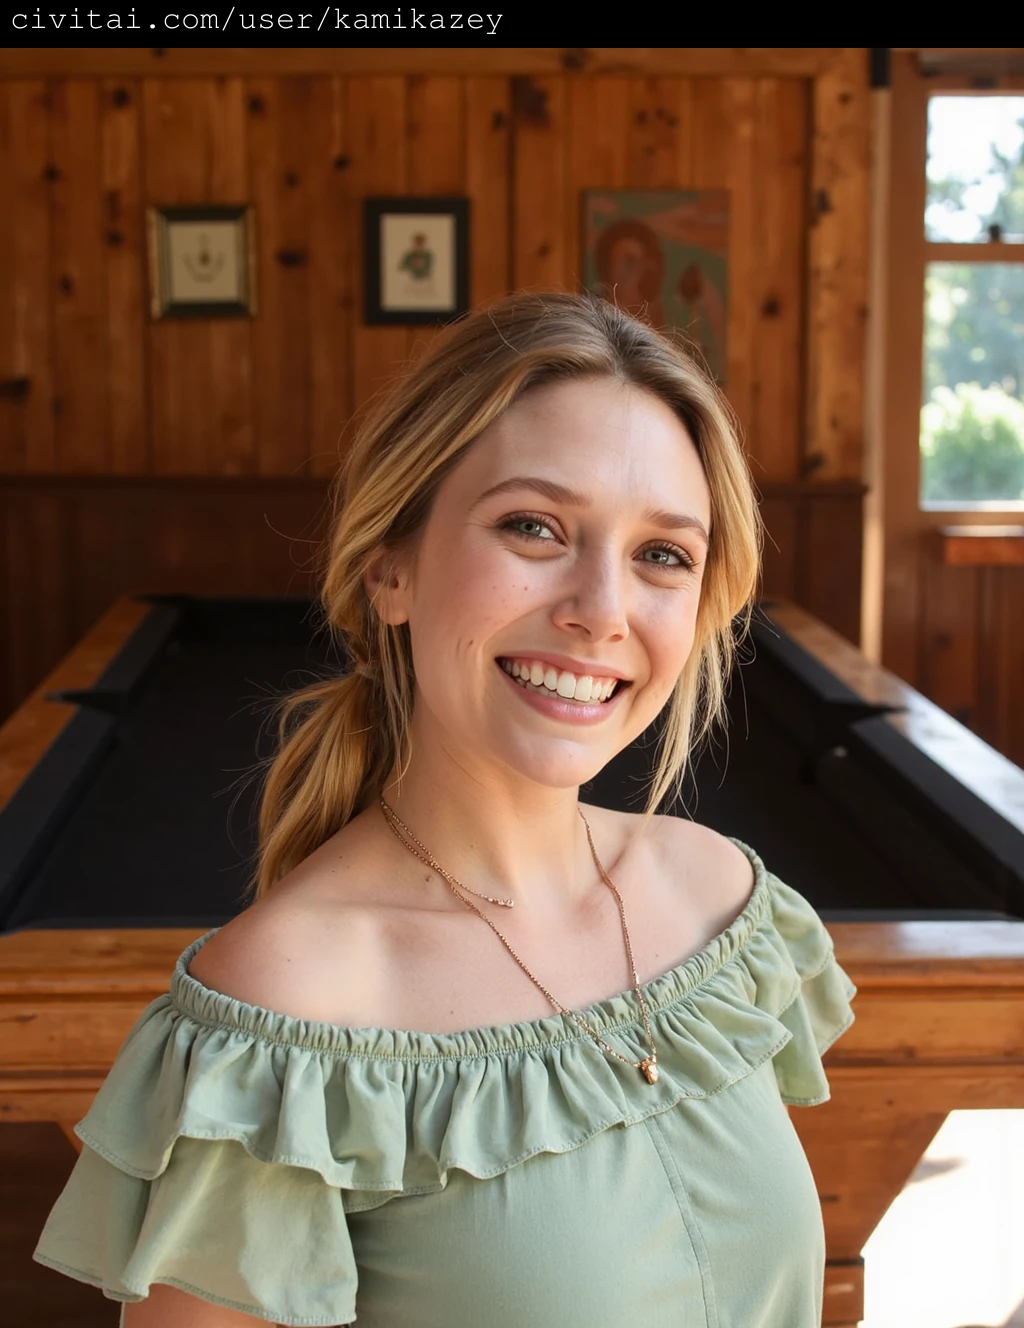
(972, 418)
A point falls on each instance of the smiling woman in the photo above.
(474, 1053)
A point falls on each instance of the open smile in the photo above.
(575, 691)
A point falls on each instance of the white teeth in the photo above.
(545, 679)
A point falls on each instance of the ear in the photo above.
(386, 583)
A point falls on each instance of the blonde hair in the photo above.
(340, 738)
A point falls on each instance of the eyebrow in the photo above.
(559, 493)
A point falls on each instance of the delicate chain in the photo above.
(648, 1067)
(396, 823)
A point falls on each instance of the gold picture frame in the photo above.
(202, 261)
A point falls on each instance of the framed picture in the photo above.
(663, 254)
(202, 262)
(416, 259)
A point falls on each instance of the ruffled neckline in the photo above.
(617, 1013)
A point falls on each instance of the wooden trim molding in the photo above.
(981, 546)
(170, 62)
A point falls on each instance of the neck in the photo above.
(508, 839)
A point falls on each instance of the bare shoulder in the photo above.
(276, 954)
(716, 874)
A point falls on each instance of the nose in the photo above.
(595, 605)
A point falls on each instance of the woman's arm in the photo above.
(167, 1307)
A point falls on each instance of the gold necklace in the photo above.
(648, 1067)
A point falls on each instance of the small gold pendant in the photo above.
(650, 1070)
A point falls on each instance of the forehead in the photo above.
(599, 434)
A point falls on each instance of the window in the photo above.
(972, 409)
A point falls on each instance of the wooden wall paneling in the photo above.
(779, 571)
(200, 385)
(781, 126)
(829, 556)
(837, 267)
(436, 147)
(27, 433)
(185, 536)
(660, 124)
(332, 300)
(124, 269)
(279, 168)
(377, 129)
(175, 128)
(488, 160)
(949, 635)
(903, 336)
(35, 624)
(1011, 619)
(539, 259)
(232, 404)
(596, 154)
(723, 158)
(81, 368)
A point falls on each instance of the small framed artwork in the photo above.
(663, 255)
(416, 256)
(202, 262)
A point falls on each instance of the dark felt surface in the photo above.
(157, 827)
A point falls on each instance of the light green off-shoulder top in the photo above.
(504, 1177)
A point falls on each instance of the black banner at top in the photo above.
(314, 23)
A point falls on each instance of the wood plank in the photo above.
(723, 158)
(201, 397)
(539, 259)
(27, 432)
(487, 179)
(81, 369)
(832, 539)
(175, 156)
(781, 123)
(950, 646)
(596, 155)
(377, 122)
(904, 338)
(124, 252)
(171, 62)
(660, 120)
(332, 298)
(436, 147)
(231, 405)
(837, 267)
(277, 141)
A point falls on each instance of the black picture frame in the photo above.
(235, 244)
(385, 231)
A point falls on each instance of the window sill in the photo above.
(981, 546)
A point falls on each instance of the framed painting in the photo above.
(662, 254)
(202, 262)
(416, 254)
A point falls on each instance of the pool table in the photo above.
(128, 790)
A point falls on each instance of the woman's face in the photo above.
(567, 548)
